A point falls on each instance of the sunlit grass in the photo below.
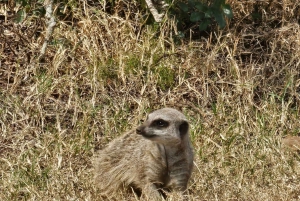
(239, 88)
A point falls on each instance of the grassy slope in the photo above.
(239, 87)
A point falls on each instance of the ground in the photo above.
(105, 69)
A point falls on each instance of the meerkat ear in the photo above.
(183, 128)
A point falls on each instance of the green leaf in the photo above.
(23, 2)
(203, 25)
(20, 16)
(201, 7)
(191, 3)
(196, 16)
(184, 7)
(209, 13)
(220, 19)
(218, 3)
(39, 12)
(227, 11)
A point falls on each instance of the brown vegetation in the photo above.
(291, 142)
(102, 72)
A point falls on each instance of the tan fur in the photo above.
(291, 142)
(157, 155)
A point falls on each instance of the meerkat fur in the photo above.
(157, 156)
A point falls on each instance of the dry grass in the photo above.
(240, 88)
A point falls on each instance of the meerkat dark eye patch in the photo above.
(183, 128)
(160, 123)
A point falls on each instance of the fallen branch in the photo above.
(48, 4)
(157, 17)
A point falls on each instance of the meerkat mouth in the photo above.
(148, 136)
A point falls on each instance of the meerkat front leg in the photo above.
(178, 182)
(150, 192)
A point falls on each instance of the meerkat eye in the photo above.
(160, 123)
(183, 128)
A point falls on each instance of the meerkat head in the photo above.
(165, 126)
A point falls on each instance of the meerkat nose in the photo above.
(139, 130)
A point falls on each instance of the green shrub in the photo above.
(166, 77)
(201, 13)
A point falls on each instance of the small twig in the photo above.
(48, 4)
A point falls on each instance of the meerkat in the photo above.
(157, 156)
